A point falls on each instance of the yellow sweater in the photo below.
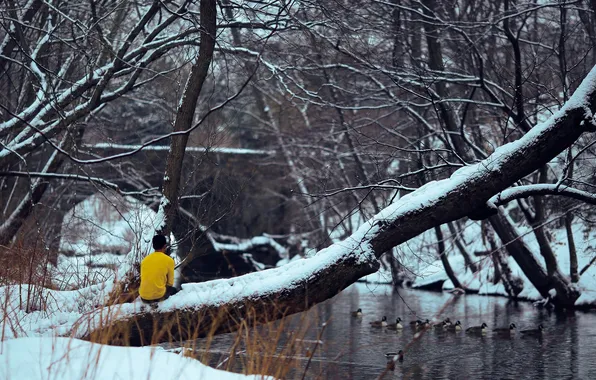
(157, 271)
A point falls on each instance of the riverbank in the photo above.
(428, 273)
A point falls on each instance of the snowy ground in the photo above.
(73, 359)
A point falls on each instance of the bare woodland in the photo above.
(372, 121)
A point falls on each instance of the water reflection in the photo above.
(352, 349)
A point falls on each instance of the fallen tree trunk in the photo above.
(224, 305)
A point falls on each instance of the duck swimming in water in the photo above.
(455, 327)
(533, 332)
(477, 329)
(357, 313)
(381, 323)
(396, 326)
(393, 357)
(442, 325)
(422, 325)
(506, 330)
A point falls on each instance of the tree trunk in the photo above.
(513, 285)
(462, 249)
(397, 53)
(185, 115)
(435, 62)
(444, 260)
(397, 277)
(587, 19)
(526, 260)
(559, 281)
(573, 266)
(564, 81)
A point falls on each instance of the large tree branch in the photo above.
(222, 305)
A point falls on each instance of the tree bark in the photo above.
(435, 62)
(513, 285)
(573, 269)
(573, 266)
(185, 115)
(587, 19)
(397, 52)
(537, 223)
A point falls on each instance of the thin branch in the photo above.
(542, 189)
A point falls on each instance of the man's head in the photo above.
(160, 243)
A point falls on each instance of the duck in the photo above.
(506, 330)
(441, 325)
(381, 323)
(533, 332)
(423, 325)
(393, 357)
(454, 327)
(396, 326)
(415, 323)
(477, 329)
(357, 313)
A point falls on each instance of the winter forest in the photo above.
(316, 165)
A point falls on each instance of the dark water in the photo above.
(351, 349)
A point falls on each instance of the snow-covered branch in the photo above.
(542, 189)
(100, 181)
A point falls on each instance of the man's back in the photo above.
(157, 271)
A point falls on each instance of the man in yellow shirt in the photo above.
(157, 273)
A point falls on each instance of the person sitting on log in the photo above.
(157, 273)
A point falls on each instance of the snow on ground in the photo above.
(60, 319)
(73, 359)
(32, 310)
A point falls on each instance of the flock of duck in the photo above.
(445, 325)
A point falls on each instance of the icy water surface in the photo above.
(351, 349)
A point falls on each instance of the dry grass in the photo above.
(275, 347)
(279, 348)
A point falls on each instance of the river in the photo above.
(352, 349)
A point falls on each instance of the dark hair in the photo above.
(159, 241)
